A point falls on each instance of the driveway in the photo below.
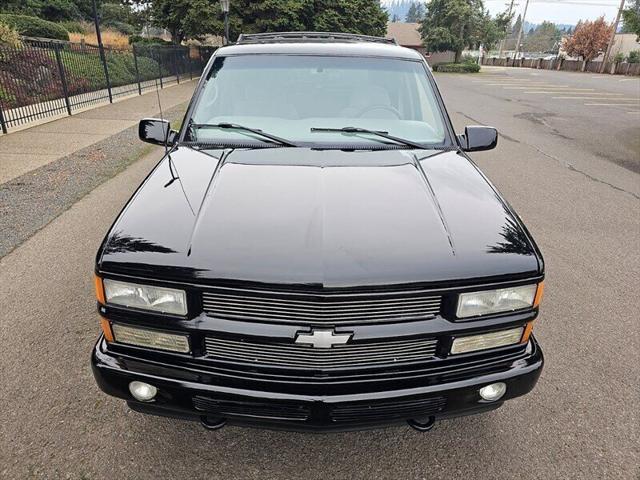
(581, 421)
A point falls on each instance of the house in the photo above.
(407, 35)
(625, 43)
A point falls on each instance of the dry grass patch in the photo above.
(110, 38)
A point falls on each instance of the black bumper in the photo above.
(182, 395)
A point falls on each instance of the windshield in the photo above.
(296, 97)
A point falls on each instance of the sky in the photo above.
(556, 11)
(560, 11)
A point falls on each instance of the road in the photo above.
(580, 422)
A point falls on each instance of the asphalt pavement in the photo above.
(581, 421)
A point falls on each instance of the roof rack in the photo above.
(283, 37)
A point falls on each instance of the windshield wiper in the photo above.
(234, 126)
(378, 133)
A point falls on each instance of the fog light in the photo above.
(141, 337)
(484, 341)
(493, 392)
(143, 392)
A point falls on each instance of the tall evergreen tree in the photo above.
(195, 18)
(631, 18)
(366, 17)
(415, 13)
(457, 24)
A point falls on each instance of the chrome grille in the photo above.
(281, 355)
(320, 309)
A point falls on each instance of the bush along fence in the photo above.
(612, 67)
(42, 78)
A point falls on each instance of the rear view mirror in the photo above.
(156, 131)
(476, 138)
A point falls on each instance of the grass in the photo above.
(110, 38)
(120, 64)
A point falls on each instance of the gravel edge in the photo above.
(31, 201)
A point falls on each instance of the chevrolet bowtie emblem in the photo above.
(319, 338)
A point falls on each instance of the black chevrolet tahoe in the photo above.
(315, 251)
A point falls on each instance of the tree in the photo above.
(489, 31)
(415, 13)
(512, 34)
(544, 38)
(52, 10)
(196, 18)
(457, 24)
(589, 39)
(366, 17)
(631, 18)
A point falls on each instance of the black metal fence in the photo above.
(41, 78)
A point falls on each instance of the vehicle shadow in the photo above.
(395, 452)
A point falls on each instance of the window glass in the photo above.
(288, 95)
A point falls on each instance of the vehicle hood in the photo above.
(327, 218)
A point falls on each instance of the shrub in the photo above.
(121, 66)
(33, 77)
(457, 67)
(618, 57)
(139, 40)
(74, 27)
(466, 58)
(8, 36)
(634, 56)
(121, 27)
(35, 27)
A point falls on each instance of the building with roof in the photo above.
(408, 35)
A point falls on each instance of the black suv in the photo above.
(315, 251)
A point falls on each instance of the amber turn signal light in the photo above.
(527, 333)
(97, 281)
(106, 329)
(539, 293)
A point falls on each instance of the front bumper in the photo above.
(184, 393)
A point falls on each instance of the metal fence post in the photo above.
(177, 65)
(135, 64)
(159, 69)
(63, 78)
(2, 122)
(103, 59)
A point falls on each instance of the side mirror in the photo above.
(156, 131)
(476, 138)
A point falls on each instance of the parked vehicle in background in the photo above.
(316, 251)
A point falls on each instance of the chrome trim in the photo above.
(310, 308)
(280, 355)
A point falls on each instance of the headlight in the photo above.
(495, 301)
(145, 297)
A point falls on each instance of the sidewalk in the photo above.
(32, 148)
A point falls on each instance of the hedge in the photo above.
(457, 67)
(35, 27)
(35, 75)
(140, 40)
(121, 68)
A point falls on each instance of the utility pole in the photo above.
(502, 42)
(524, 16)
(224, 6)
(612, 39)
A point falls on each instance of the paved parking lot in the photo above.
(569, 169)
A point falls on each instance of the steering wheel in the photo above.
(388, 108)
